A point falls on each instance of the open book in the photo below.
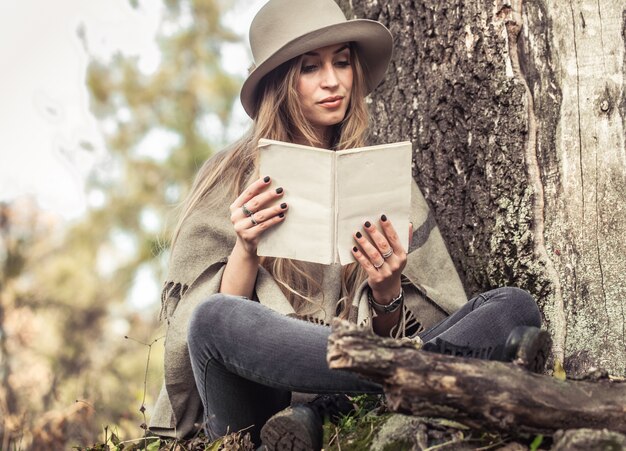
(331, 194)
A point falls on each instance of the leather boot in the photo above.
(300, 427)
(526, 346)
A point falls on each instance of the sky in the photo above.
(49, 141)
(45, 120)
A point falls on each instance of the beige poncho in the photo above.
(431, 284)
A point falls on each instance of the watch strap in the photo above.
(385, 308)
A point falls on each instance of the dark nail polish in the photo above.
(354, 249)
(279, 190)
(383, 218)
(368, 224)
(281, 215)
(358, 235)
(266, 179)
(283, 205)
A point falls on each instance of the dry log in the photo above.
(481, 394)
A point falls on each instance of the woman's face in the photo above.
(325, 84)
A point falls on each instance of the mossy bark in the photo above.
(516, 111)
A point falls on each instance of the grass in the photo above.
(356, 430)
(230, 442)
(353, 432)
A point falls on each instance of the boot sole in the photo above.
(293, 429)
(533, 350)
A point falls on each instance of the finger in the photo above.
(260, 217)
(392, 235)
(410, 233)
(254, 232)
(255, 204)
(379, 239)
(365, 263)
(251, 190)
(268, 213)
(370, 251)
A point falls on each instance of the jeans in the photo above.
(247, 359)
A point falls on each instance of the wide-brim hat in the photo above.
(284, 29)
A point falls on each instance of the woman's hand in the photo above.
(382, 257)
(251, 216)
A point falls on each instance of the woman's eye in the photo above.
(308, 68)
(342, 63)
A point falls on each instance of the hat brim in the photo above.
(373, 40)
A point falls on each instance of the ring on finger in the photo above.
(246, 211)
(379, 265)
(388, 254)
(254, 221)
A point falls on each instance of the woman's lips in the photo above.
(331, 102)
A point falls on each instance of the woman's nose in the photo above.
(329, 77)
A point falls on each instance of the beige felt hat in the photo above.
(284, 29)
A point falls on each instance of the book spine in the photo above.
(335, 219)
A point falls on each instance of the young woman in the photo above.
(237, 345)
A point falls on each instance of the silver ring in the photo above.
(388, 254)
(254, 221)
(378, 266)
(246, 211)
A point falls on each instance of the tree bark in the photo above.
(481, 394)
(517, 115)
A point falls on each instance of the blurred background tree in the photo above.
(64, 293)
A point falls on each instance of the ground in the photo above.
(373, 427)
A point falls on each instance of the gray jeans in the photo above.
(247, 359)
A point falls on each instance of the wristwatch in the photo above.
(389, 308)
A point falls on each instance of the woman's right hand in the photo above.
(251, 215)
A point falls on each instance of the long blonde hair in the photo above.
(279, 116)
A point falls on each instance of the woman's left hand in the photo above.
(382, 257)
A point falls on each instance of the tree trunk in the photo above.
(482, 394)
(517, 114)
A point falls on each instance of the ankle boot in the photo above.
(441, 346)
(526, 346)
(300, 427)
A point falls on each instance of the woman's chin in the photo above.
(329, 120)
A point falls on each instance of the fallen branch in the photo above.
(481, 394)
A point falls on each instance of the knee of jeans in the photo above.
(204, 320)
(523, 306)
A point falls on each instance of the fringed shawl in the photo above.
(431, 284)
